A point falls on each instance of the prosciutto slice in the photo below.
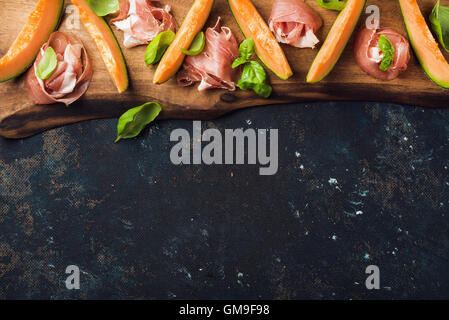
(71, 77)
(368, 55)
(213, 66)
(295, 23)
(142, 21)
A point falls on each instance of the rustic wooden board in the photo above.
(19, 117)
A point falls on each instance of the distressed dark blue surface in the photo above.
(358, 184)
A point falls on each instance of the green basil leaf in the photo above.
(133, 121)
(253, 75)
(197, 45)
(254, 78)
(254, 72)
(439, 19)
(264, 90)
(388, 50)
(238, 62)
(246, 49)
(103, 7)
(47, 65)
(336, 5)
(158, 46)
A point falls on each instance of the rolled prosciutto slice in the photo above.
(368, 55)
(71, 77)
(212, 66)
(142, 21)
(295, 23)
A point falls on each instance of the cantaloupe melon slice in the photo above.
(40, 24)
(106, 43)
(336, 41)
(424, 44)
(267, 48)
(193, 23)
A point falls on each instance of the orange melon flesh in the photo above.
(267, 48)
(424, 44)
(336, 41)
(40, 24)
(193, 23)
(106, 43)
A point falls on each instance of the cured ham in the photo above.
(72, 75)
(142, 20)
(295, 23)
(213, 66)
(368, 55)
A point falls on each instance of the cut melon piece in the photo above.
(40, 24)
(193, 23)
(106, 43)
(267, 48)
(424, 44)
(336, 41)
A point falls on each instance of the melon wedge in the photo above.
(40, 24)
(267, 48)
(336, 41)
(106, 43)
(424, 44)
(193, 23)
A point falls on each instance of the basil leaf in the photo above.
(47, 65)
(255, 72)
(253, 78)
(158, 46)
(103, 7)
(246, 49)
(239, 61)
(388, 50)
(264, 90)
(336, 5)
(253, 75)
(197, 45)
(439, 19)
(132, 122)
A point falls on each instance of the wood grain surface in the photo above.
(19, 117)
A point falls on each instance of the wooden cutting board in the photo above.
(19, 117)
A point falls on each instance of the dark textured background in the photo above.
(140, 227)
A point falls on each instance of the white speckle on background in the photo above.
(186, 272)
